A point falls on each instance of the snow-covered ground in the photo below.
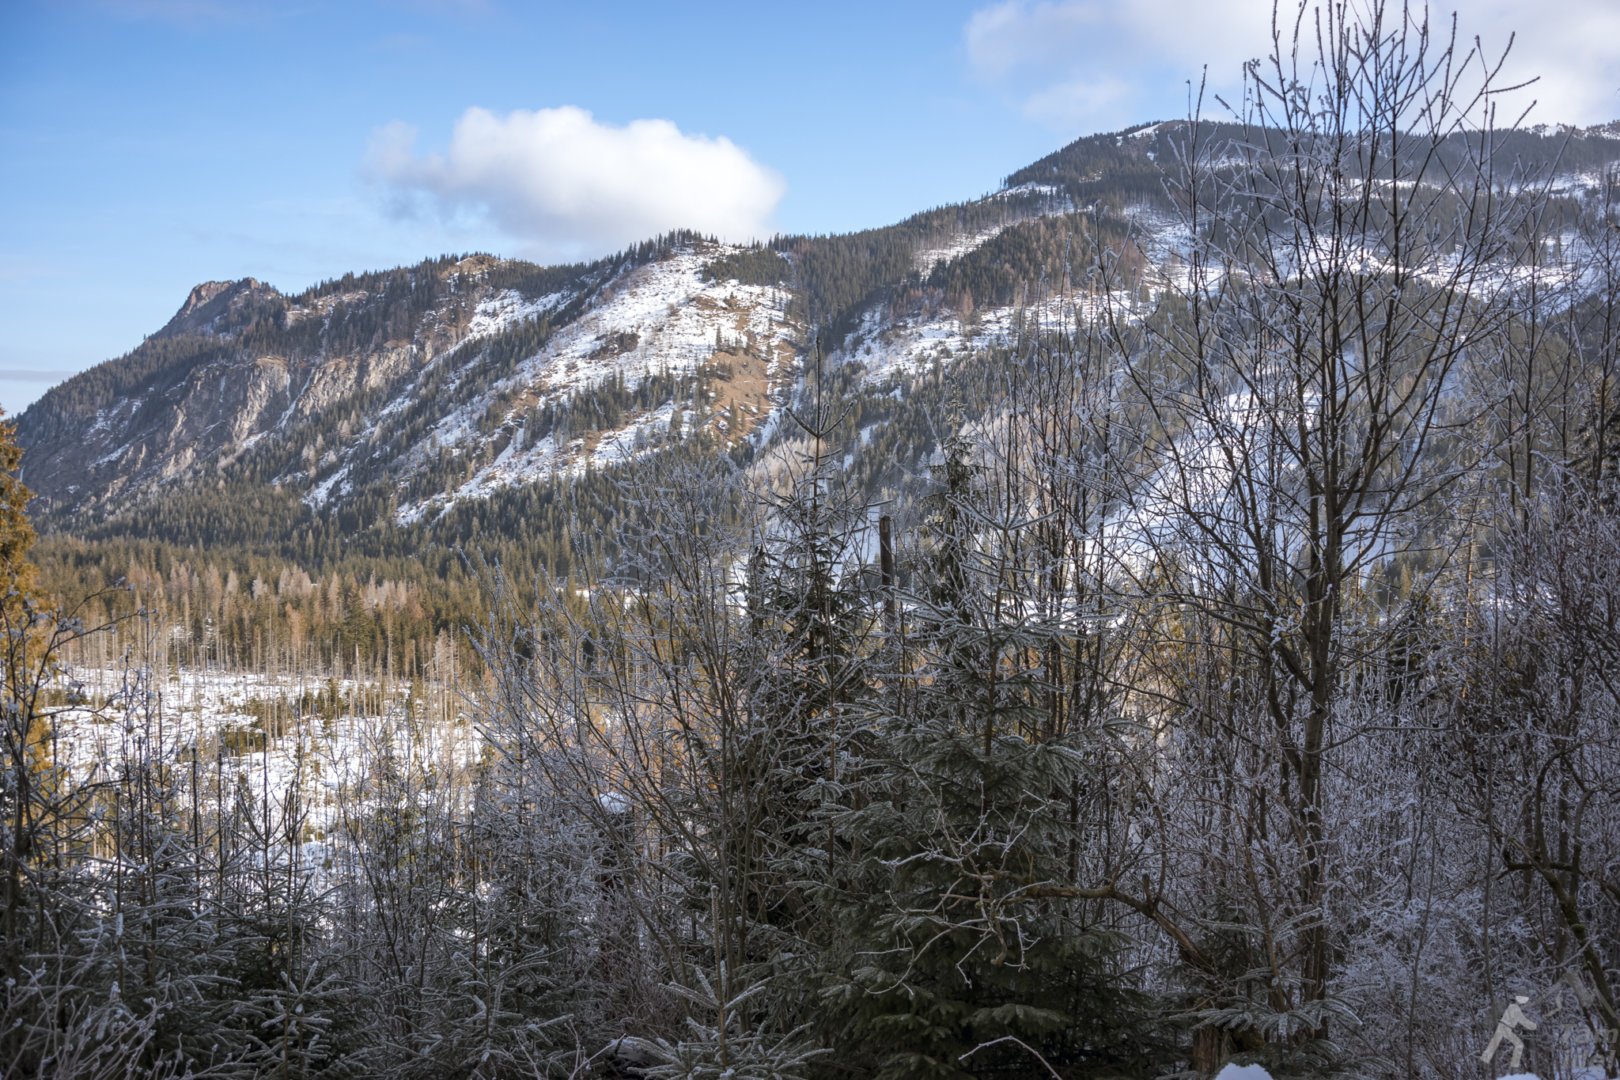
(264, 737)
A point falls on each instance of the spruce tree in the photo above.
(963, 952)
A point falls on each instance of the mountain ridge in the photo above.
(413, 389)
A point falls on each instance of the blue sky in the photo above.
(151, 144)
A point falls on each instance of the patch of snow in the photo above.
(509, 308)
(661, 318)
(545, 458)
(907, 345)
(1243, 1072)
(674, 314)
(1029, 188)
(321, 493)
(113, 455)
(1167, 241)
(631, 440)
(104, 418)
(928, 258)
(323, 306)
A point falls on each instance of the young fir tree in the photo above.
(963, 952)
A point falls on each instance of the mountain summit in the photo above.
(219, 307)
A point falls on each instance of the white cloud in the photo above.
(1573, 46)
(565, 185)
(1089, 65)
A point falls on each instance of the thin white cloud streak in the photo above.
(1087, 64)
(1068, 105)
(562, 184)
(32, 375)
(1012, 35)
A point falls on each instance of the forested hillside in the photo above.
(1164, 613)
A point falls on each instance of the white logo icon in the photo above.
(1507, 1030)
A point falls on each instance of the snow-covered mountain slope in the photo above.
(888, 345)
(381, 379)
(412, 391)
(661, 320)
(452, 380)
